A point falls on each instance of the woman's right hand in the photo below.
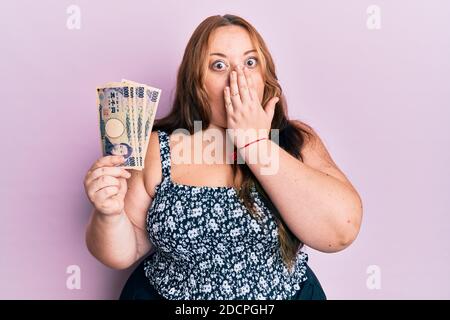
(106, 185)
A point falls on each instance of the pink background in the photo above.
(379, 99)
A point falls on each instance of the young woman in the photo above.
(225, 230)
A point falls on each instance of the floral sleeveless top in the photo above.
(209, 246)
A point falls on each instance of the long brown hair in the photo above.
(191, 104)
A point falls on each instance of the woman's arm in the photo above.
(118, 241)
(112, 240)
(315, 199)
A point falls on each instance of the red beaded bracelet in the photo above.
(234, 152)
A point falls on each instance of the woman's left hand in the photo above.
(244, 111)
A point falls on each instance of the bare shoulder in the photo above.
(316, 155)
(152, 167)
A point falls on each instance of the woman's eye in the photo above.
(251, 62)
(219, 65)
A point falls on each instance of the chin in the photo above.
(222, 125)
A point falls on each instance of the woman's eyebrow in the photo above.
(222, 55)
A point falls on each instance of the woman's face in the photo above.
(229, 47)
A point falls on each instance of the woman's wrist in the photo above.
(250, 150)
(249, 136)
(109, 218)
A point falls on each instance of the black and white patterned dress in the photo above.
(208, 246)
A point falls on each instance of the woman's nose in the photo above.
(235, 67)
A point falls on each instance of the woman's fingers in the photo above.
(103, 194)
(251, 86)
(227, 99)
(234, 90)
(243, 86)
(108, 161)
(106, 184)
(107, 171)
(103, 182)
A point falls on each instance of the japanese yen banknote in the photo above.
(126, 111)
